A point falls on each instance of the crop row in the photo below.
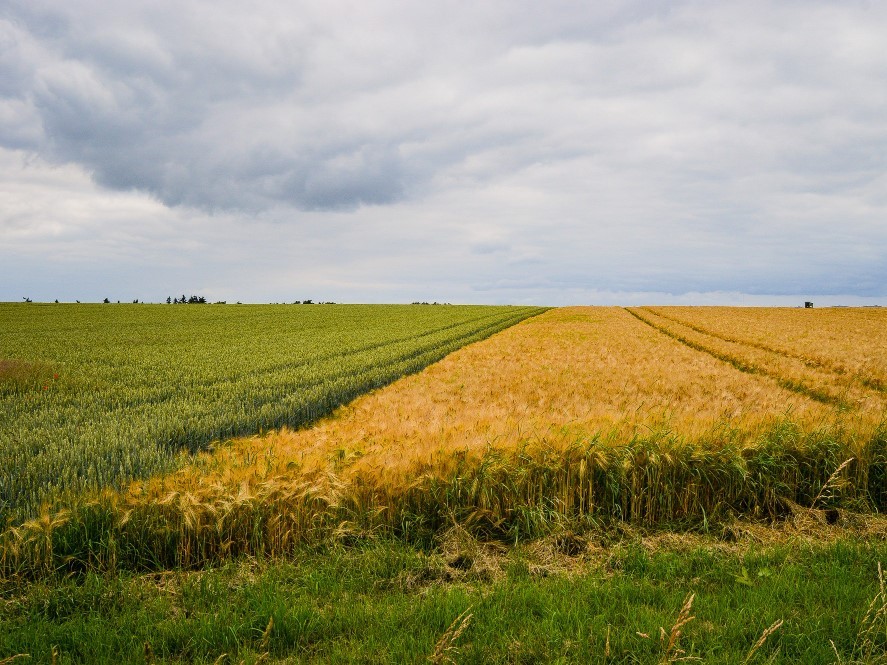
(122, 389)
(506, 495)
(818, 380)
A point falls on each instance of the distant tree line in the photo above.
(201, 300)
(192, 300)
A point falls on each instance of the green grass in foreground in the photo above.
(386, 602)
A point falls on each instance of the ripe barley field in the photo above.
(576, 416)
(846, 341)
(837, 360)
(573, 375)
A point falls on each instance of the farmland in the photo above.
(833, 356)
(576, 416)
(584, 469)
(851, 342)
(93, 396)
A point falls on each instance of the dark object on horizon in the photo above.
(808, 304)
(26, 299)
(106, 301)
(193, 300)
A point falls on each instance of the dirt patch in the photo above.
(24, 374)
(13, 368)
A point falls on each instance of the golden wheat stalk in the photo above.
(12, 659)
(671, 652)
(832, 479)
(446, 646)
(763, 638)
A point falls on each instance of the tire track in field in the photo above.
(809, 362)
(798, 387)
(812, 363)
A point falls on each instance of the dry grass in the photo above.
(446, 648)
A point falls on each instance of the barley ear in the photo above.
(11, 659)
(831, 481)
(446, 647)
(763, 638)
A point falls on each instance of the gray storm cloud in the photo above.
(699, 146)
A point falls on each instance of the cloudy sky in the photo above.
(487, 151)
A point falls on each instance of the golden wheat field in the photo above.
(573, 418)
(820, 375)
(845, 341)
(575, 372)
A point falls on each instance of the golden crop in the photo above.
(579, 413)
(847, 341)
(562, 377)
(835, 359)
(92, 396)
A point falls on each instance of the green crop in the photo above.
(93, 396)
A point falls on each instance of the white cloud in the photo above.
(489, 151)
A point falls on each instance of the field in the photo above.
(848, 343)
(576, 415)
(93, 396)
(568, 482)
(833, 356)
(575, 375)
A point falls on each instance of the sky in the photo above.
(608, 152)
